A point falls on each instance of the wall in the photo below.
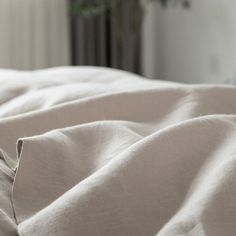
(192, 46)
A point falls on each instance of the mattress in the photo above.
(101, 152)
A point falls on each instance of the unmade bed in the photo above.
(99, 152)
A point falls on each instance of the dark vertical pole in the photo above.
(72, 32)
(108, 38)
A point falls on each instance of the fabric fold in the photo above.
(132, 195)
(95, 151)
(88, 147)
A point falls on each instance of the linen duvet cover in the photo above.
(99, 152)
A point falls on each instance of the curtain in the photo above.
(34, 34)
(152, 40)
(111, 39)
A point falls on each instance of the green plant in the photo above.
(87, 8)
(164, 3)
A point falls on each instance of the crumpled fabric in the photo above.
(100, 152)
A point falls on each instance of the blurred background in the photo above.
(178, 40)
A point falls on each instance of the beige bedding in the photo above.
(98, 152)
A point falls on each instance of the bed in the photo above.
(101, 152)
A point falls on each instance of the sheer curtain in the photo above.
(33, 34)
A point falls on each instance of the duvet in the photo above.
(99, 152)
